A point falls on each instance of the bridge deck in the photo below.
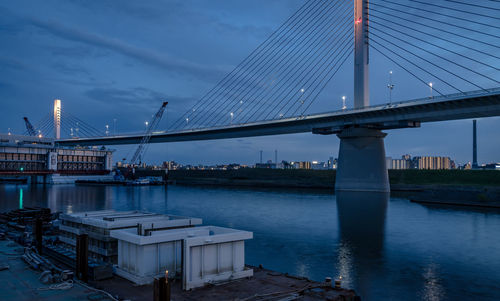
(387, 116)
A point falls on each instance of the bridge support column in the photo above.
(362, 165)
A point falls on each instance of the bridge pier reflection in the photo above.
(362, 164)
(361, 217)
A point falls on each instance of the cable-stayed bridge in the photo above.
(449, 47)
(387, 116)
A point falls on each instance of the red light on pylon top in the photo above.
(358, 21)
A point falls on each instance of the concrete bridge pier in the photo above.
(362, 165)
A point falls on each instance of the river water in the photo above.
(384, 248)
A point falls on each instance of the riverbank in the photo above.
(410, 179)
(462, 187)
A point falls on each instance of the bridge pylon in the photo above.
(361, 55)
(362, 165)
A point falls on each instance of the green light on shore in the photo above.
(21, 199)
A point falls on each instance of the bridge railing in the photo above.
(423, 99)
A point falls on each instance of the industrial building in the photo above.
(38, 160)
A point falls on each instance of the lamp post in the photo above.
(232, 115)
(107, 129)
(390, 86)
(146, 123)
(430, 86)
(343, 103)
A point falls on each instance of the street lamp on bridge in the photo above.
(390, 86)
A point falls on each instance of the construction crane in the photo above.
(141, 149)
(29, 127)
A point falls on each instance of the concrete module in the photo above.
(99, 224)
(200, 255)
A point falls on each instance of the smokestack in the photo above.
(57, 119)
(474, 145)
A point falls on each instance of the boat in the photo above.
(139, 182)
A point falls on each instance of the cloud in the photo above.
(164, 61)
(179, 11)
(78, 52)
(70, 69)
(11, 63)
(138, 96)
(259, 32)
(3, 86)
(145, 55)
(136, 9)
(133, 104)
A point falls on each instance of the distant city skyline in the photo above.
(406, 161)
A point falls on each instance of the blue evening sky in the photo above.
(120, 59)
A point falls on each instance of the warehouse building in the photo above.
(37, 159)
